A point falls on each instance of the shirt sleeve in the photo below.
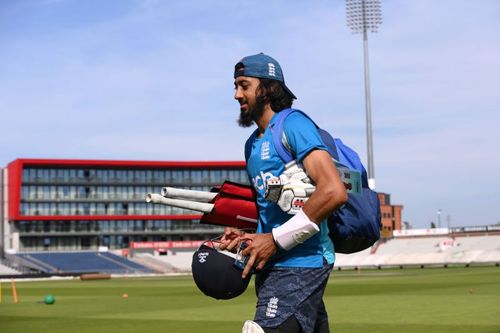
(302, 135)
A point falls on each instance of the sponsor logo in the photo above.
(260, 181)
(272, 307)
(202, 257)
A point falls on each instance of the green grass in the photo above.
(410, 300)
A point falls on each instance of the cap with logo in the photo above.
(261, 66)
(215, 274)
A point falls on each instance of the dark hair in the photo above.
(271, 91)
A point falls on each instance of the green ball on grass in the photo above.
(49, 299)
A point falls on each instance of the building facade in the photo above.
(62, 205)
(391, 215)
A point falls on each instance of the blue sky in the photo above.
(152, 80)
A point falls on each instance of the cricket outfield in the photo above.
(458, 300)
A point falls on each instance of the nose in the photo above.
(237, 93)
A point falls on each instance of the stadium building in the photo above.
(68, 205)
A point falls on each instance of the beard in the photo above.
(251, 115)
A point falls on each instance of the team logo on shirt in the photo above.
(264, 151)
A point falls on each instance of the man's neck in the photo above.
(263, 121)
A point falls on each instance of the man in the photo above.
(292, 254)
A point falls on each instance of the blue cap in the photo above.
(262, 66)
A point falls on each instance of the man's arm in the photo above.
(330, 192)
(329, 195)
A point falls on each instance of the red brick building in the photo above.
(391, 214)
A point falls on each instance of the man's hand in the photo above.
(231, 239)
(261, 247)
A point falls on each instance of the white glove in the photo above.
(291, 189)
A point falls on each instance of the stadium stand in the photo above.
(80, 262)
(157, 264)
(421, 251)
(179, 260)
(5, 270)
(396, 252)
(426, 251)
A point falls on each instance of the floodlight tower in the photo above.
(364, 15)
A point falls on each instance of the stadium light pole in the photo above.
(364, 15)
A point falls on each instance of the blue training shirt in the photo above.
(264, 163)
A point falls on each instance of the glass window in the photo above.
(92, 208)
(111, 192)
(102, 192)
(140, 192)
(45, 208)
(168, 176)
(73, 192)
(122, 192)
(26, 175)
(205, 176)
(73, 209)
(104, 226)
(24, 192)
(44, 175)
(196, 176)
(140, 176)
(144, 208)
(158, 177)
(216, 177)
(63, 207)
(53, 192)
(30, 192)
(80, 175)
(131, 176)
(177, 177)
(149, 176)
(112, 175)
(53, 209)
(89, 174)
(62, 175)
(81, 194)
(52, 175)
(186, 176)
(80, 208)
(73, 176)
(149, 209)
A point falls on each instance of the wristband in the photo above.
(295, 231)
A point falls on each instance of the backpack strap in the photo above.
(278, 131)
(280, 142)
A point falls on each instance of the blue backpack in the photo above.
(356, 225)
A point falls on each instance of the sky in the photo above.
(152, 80)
